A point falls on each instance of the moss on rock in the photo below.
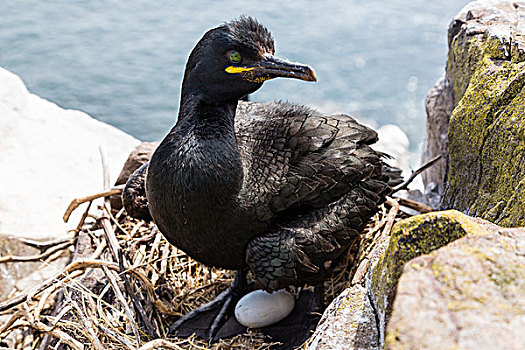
(413, 237)
(487, 127)
(467, 295)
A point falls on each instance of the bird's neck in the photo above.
(198, 113)
(203, 151)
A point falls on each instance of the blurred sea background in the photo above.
(122, 61)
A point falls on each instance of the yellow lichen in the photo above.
(487, 129)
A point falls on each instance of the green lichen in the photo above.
(392, 341)
(487, 129)
(412, 237)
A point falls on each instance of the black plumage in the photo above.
(276, 187)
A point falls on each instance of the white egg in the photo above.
(260, 309)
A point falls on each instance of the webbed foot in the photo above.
(297, 327)
(215, 319)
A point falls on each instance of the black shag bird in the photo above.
(274, 187)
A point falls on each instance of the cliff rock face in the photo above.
(486, 132)
(487, 128)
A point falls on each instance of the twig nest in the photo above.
(260, 309)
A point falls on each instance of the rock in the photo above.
(439, 105)
(410, 238)
(349, 322)
(260, 308)
(486, 133)
(49, 156)
(358, 317)
(140, 155)
(19, 276)
(467, 295)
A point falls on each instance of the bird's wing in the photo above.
(297, 250)
(294, 156)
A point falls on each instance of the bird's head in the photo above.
(234, 60)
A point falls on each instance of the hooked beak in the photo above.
(271, 67)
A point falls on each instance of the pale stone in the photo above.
(260, 309)
(49, 156)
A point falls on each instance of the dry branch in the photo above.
(160, 344)
(41, 256)
(75, 203)
(412, 204)
(415, 173)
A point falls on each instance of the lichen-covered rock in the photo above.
(348, 323)
(410, 238)
(486, 136)
(358, 317)
(467, 295)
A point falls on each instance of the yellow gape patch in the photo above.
(232, 69)
(248, 74)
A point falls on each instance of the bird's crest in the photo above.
(248, 31)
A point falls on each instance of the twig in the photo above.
(61, 314)
(159, 343)
(84, 216)
(47, 253)
(70, 272)
(122, 300)
(41, 327)
(75, 203)
(392, 213)
(360, 272)
(415, 173)
(105, 167)
(116, 336)
(107, 207)
(43, 246)
(412, 204)
(41, 304)
(111, 239)
(88, 326)
(3, 329)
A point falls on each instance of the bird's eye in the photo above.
(234, 56)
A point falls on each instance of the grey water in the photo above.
(122, 61)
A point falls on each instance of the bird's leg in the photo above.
(207, 320)
(319, 298)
